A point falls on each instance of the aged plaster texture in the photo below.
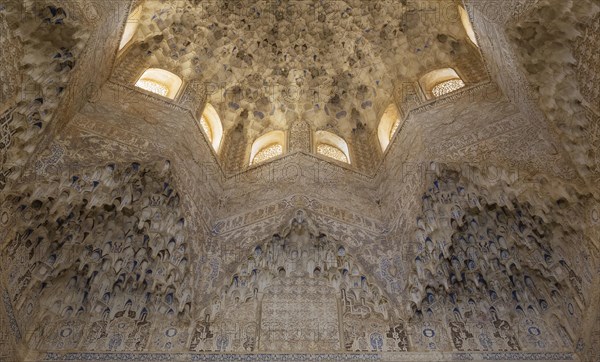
(126, 234)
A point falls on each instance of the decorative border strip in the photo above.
(519, 356)
(260, 357)
(209, 357)
(14, 326)
(224, 227)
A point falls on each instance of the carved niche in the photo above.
(299, 291)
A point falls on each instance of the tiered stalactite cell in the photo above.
(298, 292)
(46, 42)
(566, 30)
(364, 145)
(170, 35)
(495, 277)
(233, 153)
(92, 259)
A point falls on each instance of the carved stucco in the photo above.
(563, 94)
(270, 81)
(484, 163)
(135, 233)
(8, 339)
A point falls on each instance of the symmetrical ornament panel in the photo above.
(300, 292)
(300, 137)
(38, 69)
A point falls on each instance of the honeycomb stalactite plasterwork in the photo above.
(566, 110)
(183, 258)
(42, 83)
(332, 152)
(478, 271)
(136, 229)
(299, 289)
(252, 84)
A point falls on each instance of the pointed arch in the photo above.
(440, 82)
(133, 22)
(332, 146)
(161, 82)
(267, 146)
(389, 123)
(212, 126)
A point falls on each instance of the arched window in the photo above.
(389, 123)
(161, 82)
(466, 21)
(133, 21)
(332, 146)
(440, 82)
(212, 126)
(267, 146)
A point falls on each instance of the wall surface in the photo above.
(125, 236)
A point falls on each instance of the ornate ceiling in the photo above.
(334, 64)
(126, 234)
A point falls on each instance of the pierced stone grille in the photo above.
(153, 87)
(446, 87)
(268, 152)
(332, 152)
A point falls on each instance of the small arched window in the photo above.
(212, 126)
(133, 22)
(466, 21)
(161, 82)
(332, 146)
(388, 125)
(440, 82)
(267, 146)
